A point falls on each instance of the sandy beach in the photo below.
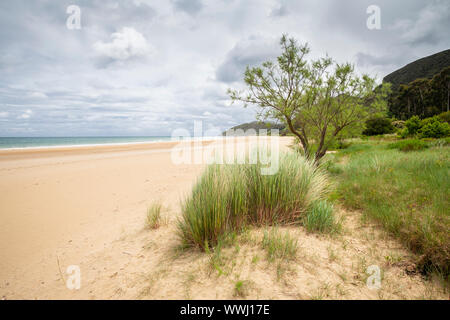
(86, 206)
(65, 203)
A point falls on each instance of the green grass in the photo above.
(279, 246)
(408, 193)
(241, 288)
(409, 145)
(320, 218)
(153, 219)
(227, 198)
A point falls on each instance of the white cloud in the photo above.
(125, 44)
(4, 114)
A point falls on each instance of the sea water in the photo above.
(37, 142)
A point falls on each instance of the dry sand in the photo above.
(86, 206)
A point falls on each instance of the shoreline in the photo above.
(14, 154)
(55, 151)
(108, 144)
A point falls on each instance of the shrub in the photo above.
(408, 145)
(320, 218)
(376, 126)
(428, 121)
(404, 133)
(413, 125)
(228, 197)
(434, 128)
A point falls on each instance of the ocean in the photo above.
(36, 142)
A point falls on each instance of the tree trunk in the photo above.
(320, 153)
(298, 135)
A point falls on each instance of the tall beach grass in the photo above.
(230, 197)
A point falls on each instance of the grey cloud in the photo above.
(248, 52)
(429, 27)
(280, 10)
(366, 59)
(191, 7)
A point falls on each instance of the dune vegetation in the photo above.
(405, 187)
(228, 198)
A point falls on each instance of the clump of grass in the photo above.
(409, 145)
(227, 198)
(153, 219)
(440, 143)
(241, 288)
(320, 218)
(279, 246)
(408, 194)
(357, 148)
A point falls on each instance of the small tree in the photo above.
(318, 105)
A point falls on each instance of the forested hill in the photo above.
(257, 125)
(423, 68)
(421, 88)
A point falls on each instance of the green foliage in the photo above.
(228, 197)
(320, 218)
(408, 194)
(379, 125)
(241, 288)
(339, 145)
(409, 145)
(316, 100)
(413, 125)
(403, 133)
(434, 128)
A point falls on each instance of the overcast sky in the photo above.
(150, 67)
